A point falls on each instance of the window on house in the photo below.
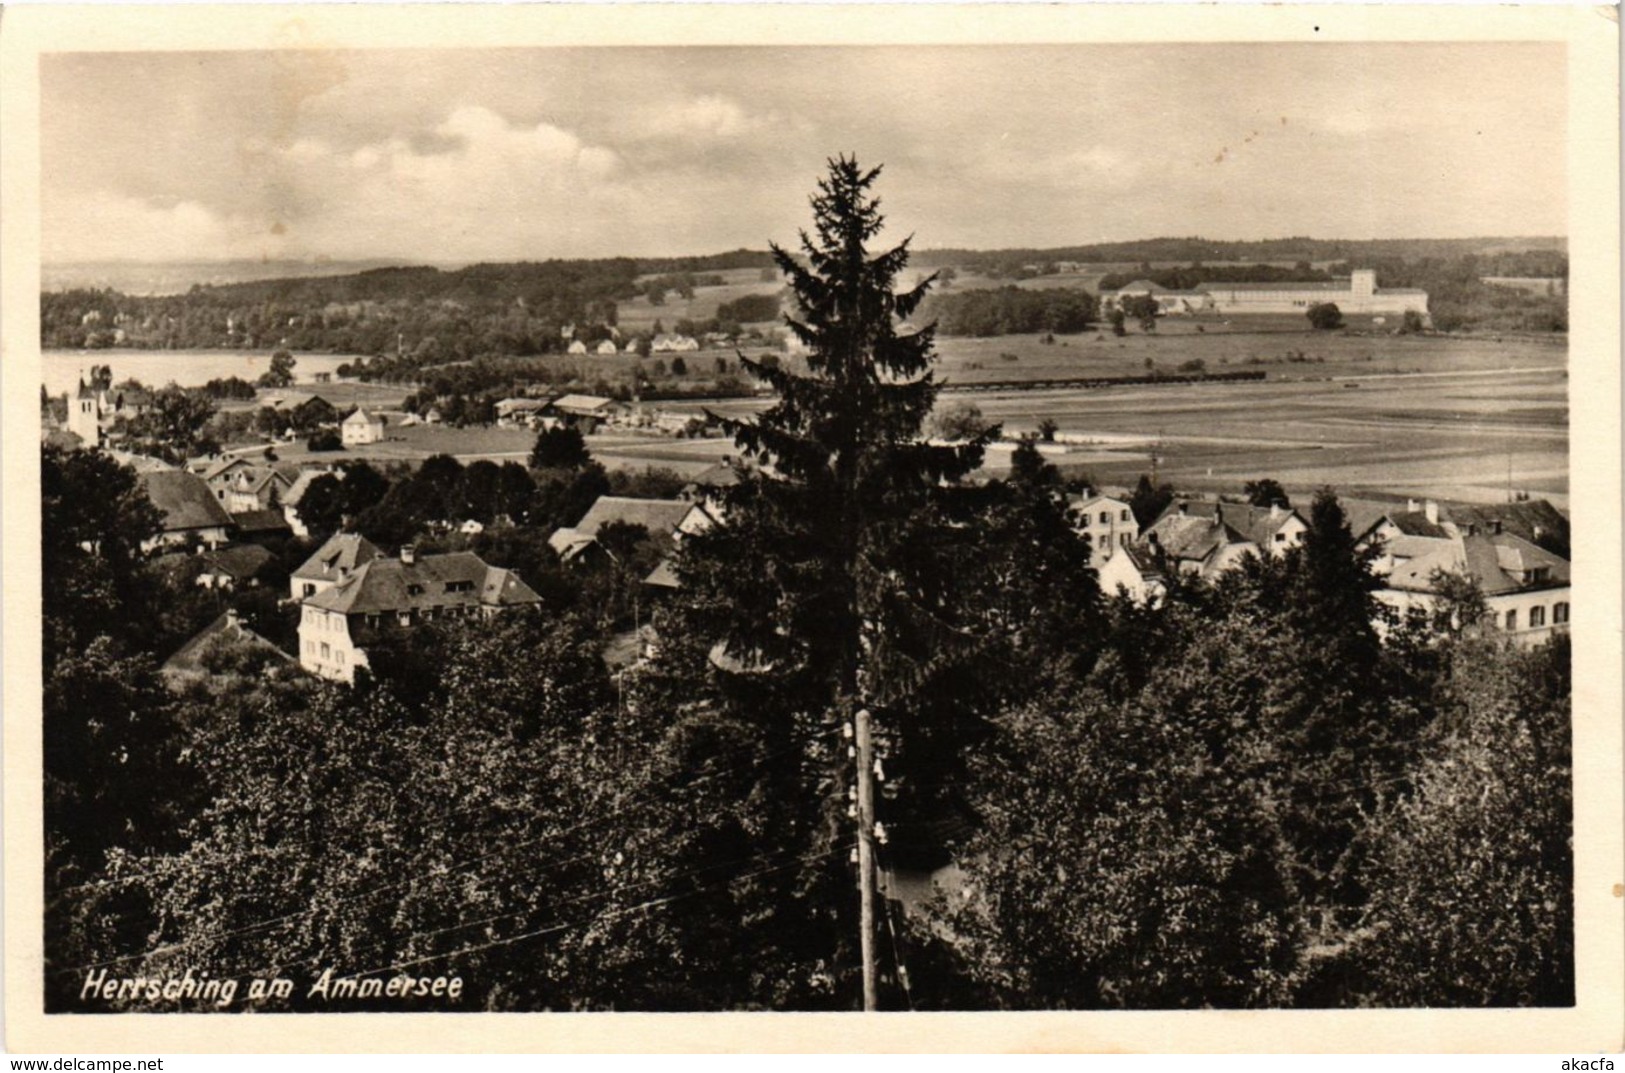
(459, 586)
(1512, 620)
(414, 590)
(327, 650)
(1537, 617)
(1122, 538)
(1105, 540)
(1105, 517)
(310, 588)
(1122, 515)
(341, 657)
(1280, 538)
(1560, 613)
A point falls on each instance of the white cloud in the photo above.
(108, 226)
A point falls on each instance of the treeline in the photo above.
(1011, 311)
(1540, 249)
(1187, 278)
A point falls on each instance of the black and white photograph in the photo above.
(665, 526)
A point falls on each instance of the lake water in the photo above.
(60, 369)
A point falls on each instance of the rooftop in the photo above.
(184, 500)
(428, 582)
(341, 555)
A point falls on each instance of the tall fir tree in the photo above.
(816, 595)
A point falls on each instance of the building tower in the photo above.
(84, 415)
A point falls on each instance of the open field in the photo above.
(967, 361)
(1450, 431)
(637, 315)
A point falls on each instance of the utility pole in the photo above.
(866, 854)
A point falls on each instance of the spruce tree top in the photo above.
(859, 410)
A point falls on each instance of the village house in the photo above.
(225, 634)
(1515, 553)
(1200, 538)
(606, 348)
(519, 412)
(1105, 522)
(296, 494)
(361, 428)
(259, 526)
(674, 518)
(337, 623)
(252, 487)
(673, 344)
(342, 555)
(238, 566)
(577, 347)
(585, 412)
(192, 516)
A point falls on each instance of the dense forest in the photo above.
(1245, 795)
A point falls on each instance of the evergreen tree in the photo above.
(817, 595)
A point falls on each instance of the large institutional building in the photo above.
(1358, 294)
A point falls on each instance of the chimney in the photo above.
(1276, 511)
(1410, 506)
(232, 621)
(1218, 514)
(408, 554)
(1432, 508)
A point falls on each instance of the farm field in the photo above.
(1450, 431)
(637, 315)
(1324, 354)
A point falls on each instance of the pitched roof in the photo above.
(456, 579)
(342, 554)
(664, 576)
(301, 484)
(1499, 563)
(188, 660)
(582, 403)
(1417, 523)
(240, 561)
(1257, 524)
(658, 516)
(1535, 520)
(225, 465)
(184, 499)
(1185, 536)
(260, 521)
(511, 405)
(362, 417)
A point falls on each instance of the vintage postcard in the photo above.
(1075, 528)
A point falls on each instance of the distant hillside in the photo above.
(178, 277)
(1186, 250)
(431, 314)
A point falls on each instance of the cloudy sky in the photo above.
(451, 156)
